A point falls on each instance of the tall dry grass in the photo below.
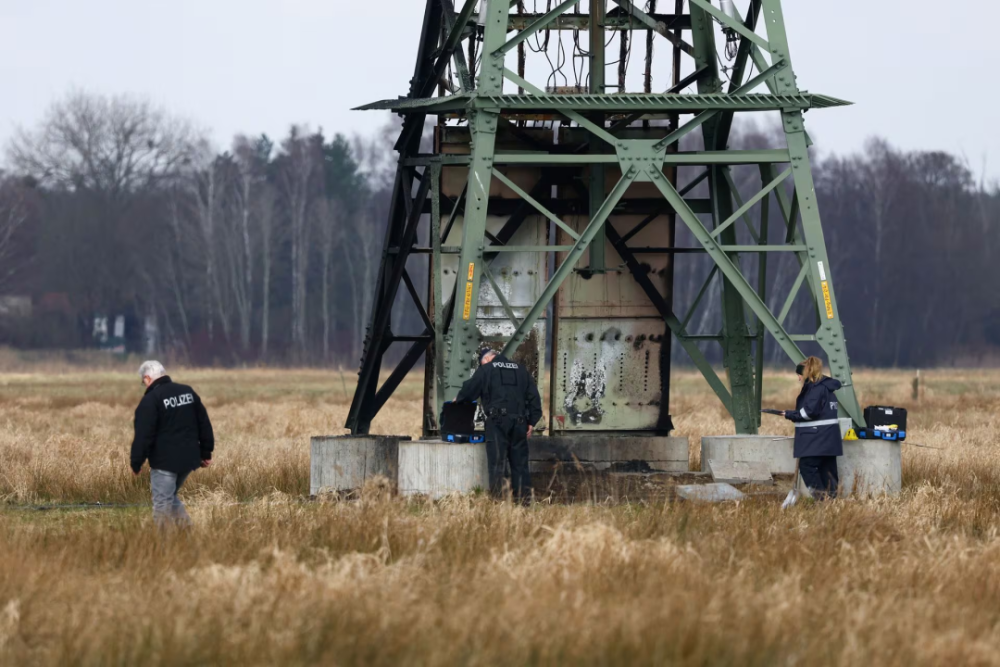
(381, 580)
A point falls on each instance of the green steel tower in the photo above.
(554, 205)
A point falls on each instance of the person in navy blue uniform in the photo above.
(512, 406)
(817, 429)
(173, 433)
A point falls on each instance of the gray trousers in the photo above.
(168, 510)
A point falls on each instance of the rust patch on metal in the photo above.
(527, 354)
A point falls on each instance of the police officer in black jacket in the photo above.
(512, 406)
(172, 432)
(817, 429)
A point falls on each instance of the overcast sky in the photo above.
(921, 73)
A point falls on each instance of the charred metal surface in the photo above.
(608, 376)
(612, 354)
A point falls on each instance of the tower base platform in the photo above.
(345, 462)
(868, 467)
(609, 451)
(436, 468)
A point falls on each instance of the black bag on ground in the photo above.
(882, 415)
(458, 422)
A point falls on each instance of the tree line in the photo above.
(262, 252)
(268, 251)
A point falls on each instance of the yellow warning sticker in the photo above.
(826, 298)
(472, 270)
(468, 301)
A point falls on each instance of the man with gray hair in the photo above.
(173, 433)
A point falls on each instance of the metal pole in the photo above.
(597, 179)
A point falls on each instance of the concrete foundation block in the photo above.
(772, 450)
(436, 469)
(345, 462)
(740, 472)
(662, 453)
(871, 467)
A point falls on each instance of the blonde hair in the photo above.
(812, 368)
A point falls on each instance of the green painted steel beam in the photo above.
(706, 116)
(597, 173)
(745, 47)
(499, 175)
(542, 102)
(699, 297)
(794, 292)
(728, 173)
(764, 248)
(628, 102)
(462, 340)
(615, 20)
(765, 211)
(537, 25)
(461, 21)
(446, 160)
(731, 23)
(750, 203)
(656, 26)
(436, 291)
(451, 23)
(679, 159)
(567, 265)
(528, 248)
(594, 129)
(726, 265)
(830, 333)
(508, 311)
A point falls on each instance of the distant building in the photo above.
(15, 307)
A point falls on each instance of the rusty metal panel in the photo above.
(520, 276)
(531, 353)
(608, 375)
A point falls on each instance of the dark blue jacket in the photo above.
(172, 429)
(504, 385)
(817, 429)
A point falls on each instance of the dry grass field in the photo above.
(268, 577)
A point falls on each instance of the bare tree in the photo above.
(363, 236)
(174, 255)
(113, 145)
(264, 205)
(248, 178)
(103, 163)
(298, 170)
(206, 187)
(329, 233)
(881, 180)
(14, 216)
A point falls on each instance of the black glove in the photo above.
(789, 414)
